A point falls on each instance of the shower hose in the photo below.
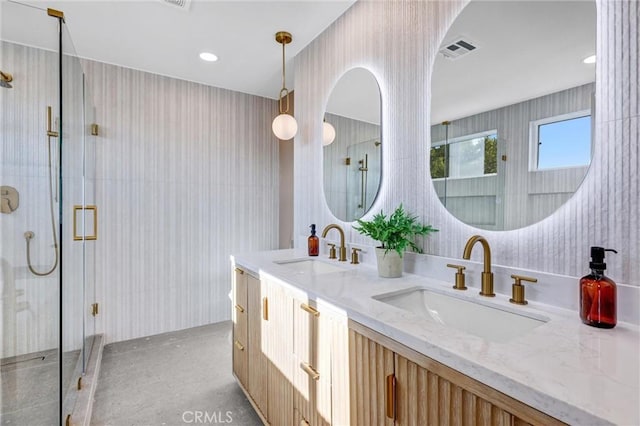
(29, 234)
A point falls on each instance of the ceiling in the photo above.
(525, 48)
(356, 95)
(153, 36)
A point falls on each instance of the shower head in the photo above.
(5, 79)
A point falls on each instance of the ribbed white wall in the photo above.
(524, 197)
(341, 196)
(185, 175)
(398, 42)
(29, 308)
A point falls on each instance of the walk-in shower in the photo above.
(46, 174)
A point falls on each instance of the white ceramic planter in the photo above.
(390, 264)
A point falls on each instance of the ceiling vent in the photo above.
(180, 4)
(459, 47)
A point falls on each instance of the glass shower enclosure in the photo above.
(48, 220)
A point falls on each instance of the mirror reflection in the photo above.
(512, 107)
(352, 163)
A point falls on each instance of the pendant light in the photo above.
(328, 133)
(284, 125)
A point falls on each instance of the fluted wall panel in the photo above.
(398, 41)
(186, 174)
(29, 304)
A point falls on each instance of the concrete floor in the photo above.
(174, 378)
(29, 391)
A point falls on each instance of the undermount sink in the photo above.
(489, 322)
(311, 266)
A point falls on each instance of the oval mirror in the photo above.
(352, 152)
(511, 110)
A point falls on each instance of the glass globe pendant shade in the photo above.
(284, 126)
(328, 133)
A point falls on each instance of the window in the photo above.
(467, 156)
(561, 142)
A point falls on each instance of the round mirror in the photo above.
(511, 110)
(352, 145)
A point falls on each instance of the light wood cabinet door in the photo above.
(312, 364)
(240, 326)
(279, 350)
(257, 309)
(370, 364)
(412, 389)
(424, 398)
(340, 371)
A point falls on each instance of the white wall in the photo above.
(29, 305)
(341, 182)
(185, 175)
(523, 197)
(398, 42)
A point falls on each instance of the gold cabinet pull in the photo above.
(310, 370)
(265, 309)
(239, 308)
(391, 396)
(239, 345)
(310, 309)
(240, 271)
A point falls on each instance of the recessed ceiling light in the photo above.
(590, 59)
(209, 57)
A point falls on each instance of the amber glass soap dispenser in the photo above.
(598, 293)
(313, 241)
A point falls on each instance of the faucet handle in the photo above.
(332, 251)
(460, 285)
(517, 289)
(354, 255)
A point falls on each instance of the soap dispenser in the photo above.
(313, 241)
(598, 293)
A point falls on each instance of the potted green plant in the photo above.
(396, 233)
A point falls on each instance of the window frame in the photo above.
(459, 139)
(534, 147)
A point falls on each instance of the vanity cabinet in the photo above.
(303, 362)
(263, 344)
(290, 354)
(391, 384)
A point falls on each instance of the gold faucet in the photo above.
(487, 275)
(343, 249)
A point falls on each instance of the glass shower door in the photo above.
(46, 260)
(29, 303)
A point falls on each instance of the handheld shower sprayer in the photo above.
(29, 235)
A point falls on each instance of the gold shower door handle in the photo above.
(82, 210)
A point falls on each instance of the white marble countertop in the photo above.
(578, 374)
